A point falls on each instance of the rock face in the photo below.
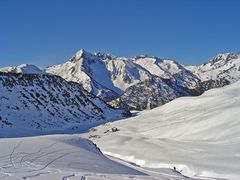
(42, 102)
(142, 82)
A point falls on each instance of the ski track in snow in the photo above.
(65, 157)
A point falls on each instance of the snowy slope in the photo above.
(24, 68)
(200, 136)
(41, 104)
(125, 73)
(65, 157)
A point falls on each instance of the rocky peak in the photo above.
(82, 54)
(224, 57)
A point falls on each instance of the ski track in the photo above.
(14, 149)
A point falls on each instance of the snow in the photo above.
(168, 69)
(197, 135)
(125, 73)
(153, 65)
(66, 157)
(58, 155)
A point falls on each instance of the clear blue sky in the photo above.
(47, 32)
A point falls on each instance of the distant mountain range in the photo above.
(82, 92)
(141, 82)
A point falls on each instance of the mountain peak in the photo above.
(225, 57)
(81, 54)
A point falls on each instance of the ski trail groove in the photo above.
(13, 150)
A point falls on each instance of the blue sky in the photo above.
(47, 32)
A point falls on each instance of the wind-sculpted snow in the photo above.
(199, 136)
(40, 104)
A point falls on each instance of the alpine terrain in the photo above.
(195, 136)
(119, 80)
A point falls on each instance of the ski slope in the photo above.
(200, 136)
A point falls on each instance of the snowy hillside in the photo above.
(41, 104)
(200, 136)
(66, 157)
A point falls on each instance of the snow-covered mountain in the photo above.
(42, 103)
(168, 69)
(24, 68)
(113, 78)
(199, 136)
(221, 70)
(88, 70)
(140, 82)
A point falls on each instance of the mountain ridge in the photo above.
(116, 79)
